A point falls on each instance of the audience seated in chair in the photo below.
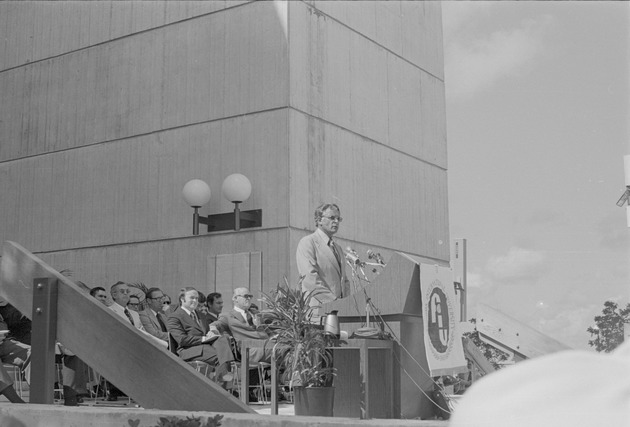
(152, 318)
(196, 340)
(134, 303)
(167, 308)
(18, 324)
(239, 323)
(14, 353)
(74, 376)
(100, 294)
(120, 295)
(214, 305)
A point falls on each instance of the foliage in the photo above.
(493, 354)
(608, 328)
(179, 422)
(300, 344)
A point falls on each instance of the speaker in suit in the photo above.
(320, 260)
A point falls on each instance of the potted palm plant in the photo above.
(301, 349)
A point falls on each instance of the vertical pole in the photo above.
(196, 221)
(237, 217)
(274, 383)
(43, 340)
(458, 264)
(364, 357)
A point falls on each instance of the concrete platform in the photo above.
(33, 415)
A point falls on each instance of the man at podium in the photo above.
(320, 260)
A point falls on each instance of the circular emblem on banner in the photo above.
(440, 322)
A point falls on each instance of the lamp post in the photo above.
(237, 189)
(196, 193)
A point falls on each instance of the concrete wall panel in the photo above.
(343, 77)
(130, 190)
(173, 264)
(409, 29)
(56, 27)
(387, 198)
(172, 76)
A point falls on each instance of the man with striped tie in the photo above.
(321, 261)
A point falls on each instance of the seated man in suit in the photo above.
(134, 303)
(120, 295)
(14, 353)
(214, 303)
(239, 323)
(196, 339)
(153, 319)
(100, 294)
(18, 324)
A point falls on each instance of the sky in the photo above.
(537, 97)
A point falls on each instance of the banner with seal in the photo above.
(442, 337)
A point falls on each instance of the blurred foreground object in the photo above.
(569, 388)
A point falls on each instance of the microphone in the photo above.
(351, 256)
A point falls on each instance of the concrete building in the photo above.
(108, 108)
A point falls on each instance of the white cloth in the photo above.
(566, 389)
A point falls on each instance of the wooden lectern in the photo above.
(397, 296)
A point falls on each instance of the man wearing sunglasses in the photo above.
(239, 323)
(320, 260)
(166, 305)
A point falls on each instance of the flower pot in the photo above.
(314, 401)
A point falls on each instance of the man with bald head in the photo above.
(239, 323)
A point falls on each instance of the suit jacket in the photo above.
(120, 310)
(152, 325)
(212, 317)
(322, 272)
(187, 333)
(236, 325)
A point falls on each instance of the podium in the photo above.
(397, 294)
(367, 384)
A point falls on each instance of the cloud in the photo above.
(455, 15)
(474, 63)
(569, 325)
(613, 234)
(517, 265)
(546, 218)
(474, 280)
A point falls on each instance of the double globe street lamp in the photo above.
(237, 189)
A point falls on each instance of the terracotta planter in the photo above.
(314, 401)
